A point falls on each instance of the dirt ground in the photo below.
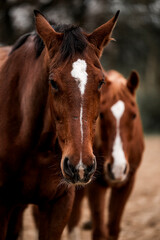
(141, 220)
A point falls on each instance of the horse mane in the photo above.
(19, 42)
(74, 41)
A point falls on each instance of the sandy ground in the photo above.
(141, 220)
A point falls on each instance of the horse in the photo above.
(119, 141)
(49, 102)
(4, 51)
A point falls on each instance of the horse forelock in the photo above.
(118, 86)
(116, 78)
(74, 41)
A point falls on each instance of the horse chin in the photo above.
(116, 182)
(82, 182)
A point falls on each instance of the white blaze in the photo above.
(80, 75)
(75, 234)
(81, 122)
(119, 160)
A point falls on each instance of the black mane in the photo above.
(20, 42)
(73, 41)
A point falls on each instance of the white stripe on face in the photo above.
(81, 122)
(80, 75)
(119, 160)
(75, 234)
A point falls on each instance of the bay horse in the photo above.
(119, 141)
(49, 101)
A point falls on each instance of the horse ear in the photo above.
(102, 35)
(45, 30)
(133, 82)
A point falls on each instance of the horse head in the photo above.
(75, 80)
(119, 124)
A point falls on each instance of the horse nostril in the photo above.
(91, 169)
(68, 168)
(110, 171)
(125, 170)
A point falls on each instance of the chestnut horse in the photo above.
(119, 141)
(49, 102)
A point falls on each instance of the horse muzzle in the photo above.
(116, 174)
(79, 174)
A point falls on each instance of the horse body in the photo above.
(119, 142)
(20, 131)
(30, 163)
(49, 98)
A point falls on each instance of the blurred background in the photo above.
(137, 34)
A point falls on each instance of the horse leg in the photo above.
(15, 223)
(96, 196)
(118, 199)
(73, 229)
(5, 212)
(35, 213)
(54, 216)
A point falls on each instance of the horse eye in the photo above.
(101, 83)
(54, 84)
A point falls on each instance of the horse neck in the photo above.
(4, 51)
(23, 96)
